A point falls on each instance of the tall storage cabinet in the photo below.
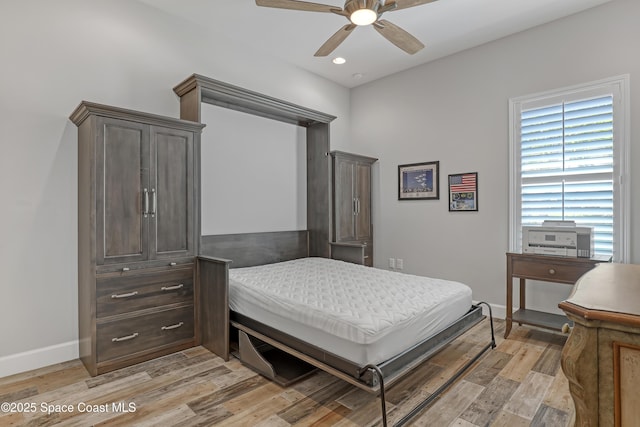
(352, 224)
(138, 233)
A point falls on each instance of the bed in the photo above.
(292, 314)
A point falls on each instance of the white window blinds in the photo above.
(567, 166)
(568, 159)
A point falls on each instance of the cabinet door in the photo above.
(122, 159)
(363, 194)
(172, 187)
(344, 199)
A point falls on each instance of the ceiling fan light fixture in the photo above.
(359, 13)
(363, 17)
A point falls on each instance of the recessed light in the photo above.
(339, 60)
(357, 76)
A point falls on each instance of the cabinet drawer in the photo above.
(142, 333)
(128, 268)
(551, 271)
(117, 294)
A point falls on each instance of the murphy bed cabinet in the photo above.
(138, 234)
(352, 237)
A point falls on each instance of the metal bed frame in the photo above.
(254, 337)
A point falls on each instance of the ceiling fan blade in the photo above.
(403, 4)
(398, 36)
(335, 40)
(298, 5)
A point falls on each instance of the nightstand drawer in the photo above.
(137, 334)
(550, 271)
(139, 290)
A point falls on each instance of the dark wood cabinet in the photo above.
(138, 231)
(352, 222)
(144, 191)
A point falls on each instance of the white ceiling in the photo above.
(444, 26)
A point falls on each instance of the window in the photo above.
(568, 159)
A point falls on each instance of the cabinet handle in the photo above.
(172, 264)
(125, 268)
(154, 202)
(177, 325)
(127, 295)
(358, 206)
(355, 206)
(127, 338)
(145, 208)
(552, 271)
(172, 288)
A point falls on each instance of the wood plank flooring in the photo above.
(520, 383)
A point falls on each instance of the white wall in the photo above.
(455, 110)
(117, 52)
(254, 173)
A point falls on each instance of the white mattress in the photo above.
(363, 314)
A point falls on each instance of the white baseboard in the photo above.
(499, 311)
(41, 357)
(38, 358)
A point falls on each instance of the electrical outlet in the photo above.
(392, 263)
(399, 264)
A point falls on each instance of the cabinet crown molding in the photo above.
(225, 95)
(353, 156)
(86, 109)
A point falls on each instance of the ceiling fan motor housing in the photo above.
(351, 6)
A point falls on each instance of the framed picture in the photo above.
(463, 192)
(419, 181)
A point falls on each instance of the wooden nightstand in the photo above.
(546, 268)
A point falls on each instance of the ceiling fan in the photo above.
(358, 12)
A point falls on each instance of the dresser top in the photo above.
(609, 292)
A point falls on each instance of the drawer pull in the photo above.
(552, 271)
(125, 268)
(176, 326)
(127, 338)
(172, 288)
(127, 295)
(172, 264)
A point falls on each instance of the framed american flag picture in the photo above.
(463, 192)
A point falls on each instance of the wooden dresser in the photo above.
(138, 234)
(601, 358)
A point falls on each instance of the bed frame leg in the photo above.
(493, 335)
(383, 402)
(436, 394)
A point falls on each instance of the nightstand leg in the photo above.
(523, 296)
(507, 327)
(509, 313)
